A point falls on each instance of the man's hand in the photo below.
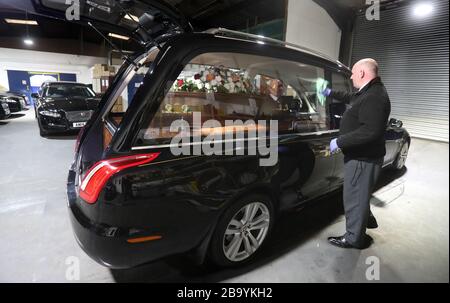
(334, 146)
(326, 92)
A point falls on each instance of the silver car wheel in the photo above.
(246, 231)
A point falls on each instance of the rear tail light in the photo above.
(100, 173)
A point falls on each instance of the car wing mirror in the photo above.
(34, 95)
(395, 123)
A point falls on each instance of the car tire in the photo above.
(236, 239)
(402, 156)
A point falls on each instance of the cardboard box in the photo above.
(103, 70)
(118, 106)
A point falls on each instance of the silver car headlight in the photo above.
(50, 114)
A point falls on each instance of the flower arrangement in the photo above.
(217, 80)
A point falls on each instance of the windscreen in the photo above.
(67, 91)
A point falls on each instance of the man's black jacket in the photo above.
(364, 123)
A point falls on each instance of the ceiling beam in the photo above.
(340, 14)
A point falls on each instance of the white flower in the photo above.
(218, 78)
(200, 85)
(208, 86)
(213, 82)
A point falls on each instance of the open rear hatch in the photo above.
(148, 22)
(143, 21)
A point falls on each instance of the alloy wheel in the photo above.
(246, 231)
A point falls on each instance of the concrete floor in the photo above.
(412, 208)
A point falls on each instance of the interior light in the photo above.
(423, 9)
(20, 21)
(28, 42)
(118, 36)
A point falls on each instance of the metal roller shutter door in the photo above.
(413, 55)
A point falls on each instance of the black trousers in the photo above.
(360, 178)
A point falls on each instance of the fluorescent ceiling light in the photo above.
(28, 42)
(131, 17)
(423, 9)
(118, 36)
(20, 21)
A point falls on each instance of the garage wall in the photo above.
(309, 25)
(27, 60)
(413, 54)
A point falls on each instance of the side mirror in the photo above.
(35, 95)
(395, 123)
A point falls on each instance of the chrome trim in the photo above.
(167, 161)
(221, 32)
(318, 133)
(228, 140)
(110, 127)
(195, 143)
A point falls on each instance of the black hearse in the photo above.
(132, 199)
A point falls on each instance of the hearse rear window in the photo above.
(232, 86)
(129, 89)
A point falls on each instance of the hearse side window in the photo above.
(232, 86)
(340, 82)
(124, 98)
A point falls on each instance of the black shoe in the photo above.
(340, 242)
(372, 222)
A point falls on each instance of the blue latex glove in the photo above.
(334, 146)
(326, 92)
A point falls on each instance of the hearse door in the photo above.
(316, 163)
(339, 82)
(321, 177)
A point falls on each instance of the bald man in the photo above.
(361, 139)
